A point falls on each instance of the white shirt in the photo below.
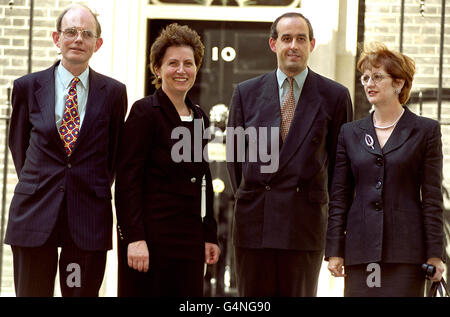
(188, 118)
(283, 84)
(62, 85)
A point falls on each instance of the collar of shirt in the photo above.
(283, 84)
(62, 84)
(66, 77)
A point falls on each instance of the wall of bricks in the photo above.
(421, 37)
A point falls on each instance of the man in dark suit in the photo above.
(281, 213)
(64, 132)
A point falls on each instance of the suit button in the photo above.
(379, 161)
(193, 180)
(378, 185)
(298, 189)
(268, 188)
(69, 165)
(378, 206)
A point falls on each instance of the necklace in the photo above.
(387, 126)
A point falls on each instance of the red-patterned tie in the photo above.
(70, 126)
(287, 109)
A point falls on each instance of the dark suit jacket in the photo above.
(386, 204)
(158, 199)
(47, 175)
(286, 209)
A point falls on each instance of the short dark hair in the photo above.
(61, 16)
(273, 28)
(174, 35)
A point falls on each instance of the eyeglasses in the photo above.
(72, 33)
(376, 78)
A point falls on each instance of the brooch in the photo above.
(369, 141)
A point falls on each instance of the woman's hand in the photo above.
(439, 265)
(212, 253)
(138, 257)
(336, 266)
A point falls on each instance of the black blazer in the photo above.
(47, 175)
(286, 209)
(158, 199)
(386, 204)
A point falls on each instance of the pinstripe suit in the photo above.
(62, 200)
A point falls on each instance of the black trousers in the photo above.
(80, 272)
(166, 277)
(277, 273)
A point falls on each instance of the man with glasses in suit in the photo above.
(64, 132)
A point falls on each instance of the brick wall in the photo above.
(14, 38)
(421, 37)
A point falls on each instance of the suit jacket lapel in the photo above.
(45, 97)
(269, 115)
(94, 105)
(399, 136)
(401, 131)
(168, 108)
(169, 111)
(269, 106)
(367, 136)
(305, 112)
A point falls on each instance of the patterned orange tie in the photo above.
(70, 126)
(287, 109)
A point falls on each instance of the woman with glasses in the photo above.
(385, 217)
(164, 237)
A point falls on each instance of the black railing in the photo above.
(441, 59)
